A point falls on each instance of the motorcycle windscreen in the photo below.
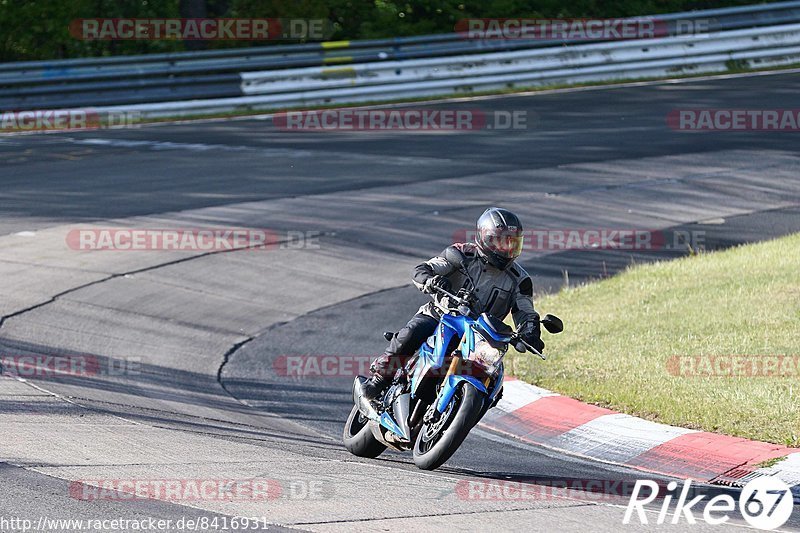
(495, 328)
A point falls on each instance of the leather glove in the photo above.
(437, 282)
(532, 334)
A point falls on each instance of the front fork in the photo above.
(452, 380)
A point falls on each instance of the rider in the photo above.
(501, 286)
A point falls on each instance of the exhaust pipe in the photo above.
(362, 403)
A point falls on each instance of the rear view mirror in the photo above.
(552, 324)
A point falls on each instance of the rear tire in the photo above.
(358, 437)
(431, 454)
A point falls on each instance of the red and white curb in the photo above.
(538, 416)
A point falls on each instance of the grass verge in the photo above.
(650, 342)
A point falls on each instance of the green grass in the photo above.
(621, 331)
(769, 463)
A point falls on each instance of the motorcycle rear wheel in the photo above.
(358, 438)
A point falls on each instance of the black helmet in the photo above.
(499, 237)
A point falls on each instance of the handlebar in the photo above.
(529, 348)
(516, 339)
(458, 299)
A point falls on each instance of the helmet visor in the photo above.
(503, 242)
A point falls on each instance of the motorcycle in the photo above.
(432, 412)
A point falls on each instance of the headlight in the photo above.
(486, 354)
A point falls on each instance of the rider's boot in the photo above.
(374, 386)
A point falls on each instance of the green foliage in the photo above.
(39, 29)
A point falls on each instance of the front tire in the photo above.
(435, 445)
(358, 437)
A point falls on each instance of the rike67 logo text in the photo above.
(764, 503)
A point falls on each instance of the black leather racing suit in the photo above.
(497, 293)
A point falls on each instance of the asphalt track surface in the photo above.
(210, 400)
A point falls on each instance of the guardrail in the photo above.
(344, 72)
(465, 75)
(514, 68)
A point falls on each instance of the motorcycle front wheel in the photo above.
(438, 441)
(358, 437)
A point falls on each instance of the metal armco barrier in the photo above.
(276, 77)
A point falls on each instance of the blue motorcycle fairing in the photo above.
(468, 342)
(449, 389)
(387, 422)
(448, 327)
(498, 383)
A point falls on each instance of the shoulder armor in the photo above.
(526, 286)
(467, 248)
(521, 278)
(459, 252)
